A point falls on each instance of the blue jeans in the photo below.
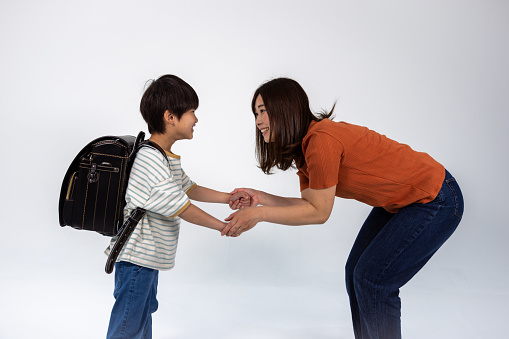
(389, 250)
(135, 301)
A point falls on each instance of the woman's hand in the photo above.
(244, 197)
(241, 221)
(239, 200)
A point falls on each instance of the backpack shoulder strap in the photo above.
(150, 143)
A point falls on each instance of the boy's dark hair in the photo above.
(287, 105)
(171, 93)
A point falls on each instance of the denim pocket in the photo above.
(458, 197)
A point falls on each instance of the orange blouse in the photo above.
(367, 166)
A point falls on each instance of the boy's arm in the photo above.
(204, 194)
(199, 217)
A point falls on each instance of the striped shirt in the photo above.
(161, 189)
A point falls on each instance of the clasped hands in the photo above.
(244, 200)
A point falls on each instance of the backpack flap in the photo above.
(92, 195)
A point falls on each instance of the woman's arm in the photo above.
(265, 199)
(314, 208)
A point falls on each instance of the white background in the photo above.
(433, 74)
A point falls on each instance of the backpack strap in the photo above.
(137, 214)
(150, 143)
(124, 234)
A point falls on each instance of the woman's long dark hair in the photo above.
(287, 105)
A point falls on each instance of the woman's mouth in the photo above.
(264, 130)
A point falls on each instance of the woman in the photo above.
(416, 203)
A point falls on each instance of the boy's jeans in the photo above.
(389, 250)
(135, 301)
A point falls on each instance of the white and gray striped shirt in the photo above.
(162, 191)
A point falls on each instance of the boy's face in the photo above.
(184, 126)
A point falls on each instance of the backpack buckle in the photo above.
(93, 176)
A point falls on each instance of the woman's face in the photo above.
(262, 119)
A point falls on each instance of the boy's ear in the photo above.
(169, 117)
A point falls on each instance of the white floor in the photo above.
(253, 287)
(68, 307)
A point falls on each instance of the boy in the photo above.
(163, 189)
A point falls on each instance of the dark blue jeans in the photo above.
(135, 301)
(389, 250)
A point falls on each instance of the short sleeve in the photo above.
(167, 198)
(303, 179)
(153, 187)
(187, 184)
(323, 154)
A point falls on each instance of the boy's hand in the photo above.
(243, 197)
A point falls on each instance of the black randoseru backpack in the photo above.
(92, 196)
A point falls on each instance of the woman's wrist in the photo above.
(263, 198)
(262, 213)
